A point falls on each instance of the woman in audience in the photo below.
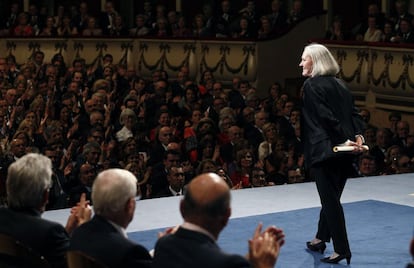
(373, 34)
(66, 29)
(49, 30)
(23, 27)
(244, 30)
(270, 135)
(92, 28)
(387, 32)
(182, 30)
(128, 120)
(200, 29)
(243, 168)
(337, 31)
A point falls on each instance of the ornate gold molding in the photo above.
(384, 78)
(223, 63)
(362, 57)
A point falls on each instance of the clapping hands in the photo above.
(79, 214)
(264, 247)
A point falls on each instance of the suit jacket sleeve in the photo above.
(57, 243)
(138, 256)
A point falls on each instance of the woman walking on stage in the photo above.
(329, 118)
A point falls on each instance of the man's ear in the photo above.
(130, 206)
(226, 216)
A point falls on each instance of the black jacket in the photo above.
(47, 238)
(192, 249)
(328, 118)
(99, 239)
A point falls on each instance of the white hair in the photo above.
(111, 190)
(323, 61)
(27, 180)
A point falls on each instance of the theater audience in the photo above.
(88, 102)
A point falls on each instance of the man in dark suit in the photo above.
(206, 211)
(158, 178)
(107, 18)
(176, 179)
(104, 237)
(28, 184)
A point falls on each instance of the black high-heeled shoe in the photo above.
(337, 259)
(320, 247)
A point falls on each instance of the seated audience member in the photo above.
(296, 12)
(401, 134)
(370, 136)
(104, 236)
(66, 29)
(49, 29)
(367, 166)
(295, 175)
(404, 164)
(206, 210)
(372, 34)
(405, 33)
(223, 174)
(337, 31)
(23, 28)
(265, 29)
(259, 178)
(140, 29)
(409, 148)
(158, 177)
(383, 141)
(87, 174)
(175, 178)
(92, 28)
(391, 159)
(182, 29)
(28, 184)
(394, 118)
(387, 32)
(278, 17)
(276, 165)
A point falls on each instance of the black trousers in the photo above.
(330, 177)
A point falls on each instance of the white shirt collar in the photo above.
(120, 229)
(175, 192)
(192, 227)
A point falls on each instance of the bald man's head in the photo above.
(207, 202)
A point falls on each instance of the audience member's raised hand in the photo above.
(79, 214)
(277, 233)
(263, 250)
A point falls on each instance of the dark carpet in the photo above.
(379, 235)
